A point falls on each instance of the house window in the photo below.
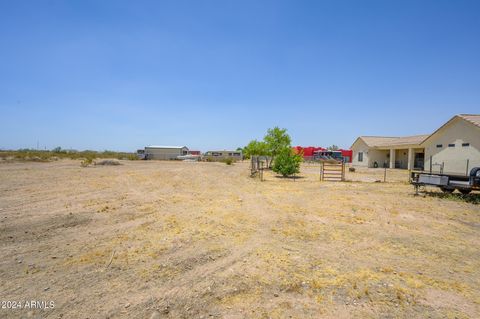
(360, 156)
(465, 144)
(451, 145)
(439, 145)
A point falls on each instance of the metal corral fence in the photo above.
(459, 166)
(258, 164)
(332, 172)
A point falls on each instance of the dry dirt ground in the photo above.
(201, 240)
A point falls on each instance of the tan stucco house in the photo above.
(453, 148)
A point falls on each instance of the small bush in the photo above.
(287, 163)
(108, 162)
(86, 162)
(58, 153)
(132, 157)
(228, 161)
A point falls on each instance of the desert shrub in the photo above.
(87, 161)
(287, 162)
(108, 162)
(21, 155)
(28, 155)
(37, 155)
(42, 157)
(58, 149)
(228, 161)
(131, 157)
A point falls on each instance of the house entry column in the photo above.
(392, 158)
(410, 159)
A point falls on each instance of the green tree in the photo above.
(333, 147)
(277, 141)
(287, 162)
(255, 148)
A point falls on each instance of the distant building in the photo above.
(309, 153)
(453, 148)
(221, 155)
(161, 152)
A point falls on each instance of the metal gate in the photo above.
(332, 172)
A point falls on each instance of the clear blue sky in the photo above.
(209, 74)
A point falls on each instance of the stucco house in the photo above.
(453, 148)
(393, 152)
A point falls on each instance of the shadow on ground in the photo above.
(289, 177)
(470, 198)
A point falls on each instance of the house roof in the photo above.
(384, 141)
(165, 146)
(471, 118)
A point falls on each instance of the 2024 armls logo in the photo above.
(27, 304)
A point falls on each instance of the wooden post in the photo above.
(468, 163)
(259, 171)
(430, 164)
(385, 174)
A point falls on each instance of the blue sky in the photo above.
(120, 75)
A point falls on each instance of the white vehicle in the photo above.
(189, 157)
(141, 154)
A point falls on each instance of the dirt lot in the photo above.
(199, 240)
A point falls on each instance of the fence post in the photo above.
(385, 174)
(468, 163)
(430, 164)
(261, 171)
